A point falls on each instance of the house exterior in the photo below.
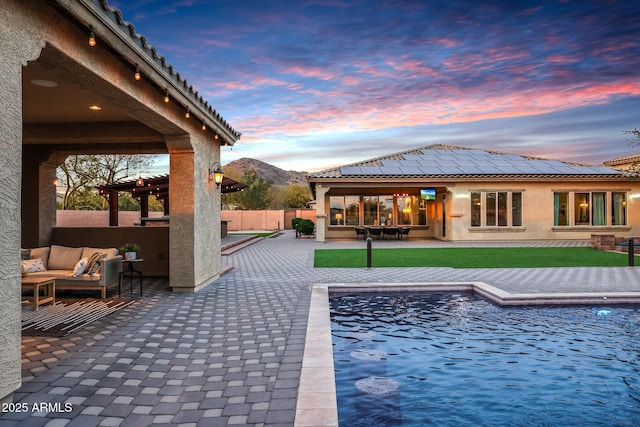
(463, 194)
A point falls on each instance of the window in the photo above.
(618, 208)
(352, 210)
(560, 209)
(344, 210)
(411, 210)
(370, 210)
(516, 209)
(383, 210)
(336, 210)
(475, 209)
(494, 207)
(589, 208)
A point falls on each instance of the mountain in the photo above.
(277, 176)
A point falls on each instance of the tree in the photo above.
(297, 196)
(254, 197)
(80, 174)
(635, 132)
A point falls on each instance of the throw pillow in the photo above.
(93, 258)
(80, 268)
(33, 265)
(95, 262)
(25, 253)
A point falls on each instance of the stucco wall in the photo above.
(253, 220)
(20, 41)
(537, 211)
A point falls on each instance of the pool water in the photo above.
(459, 360)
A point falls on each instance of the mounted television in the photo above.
(428, 194)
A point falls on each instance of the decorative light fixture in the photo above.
(137, 73)
(95, 107)
(187, 114)
(215, 136)
(139, 181)
(204, 126)
(166, 95)
(216, 174)
(92, 36)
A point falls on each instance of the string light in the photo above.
(166, 95)
(137, 73)
(92, 36)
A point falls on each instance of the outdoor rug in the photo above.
(62, 318)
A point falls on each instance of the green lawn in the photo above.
(470, 257)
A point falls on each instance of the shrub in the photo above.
(295, 222)
(306, 226)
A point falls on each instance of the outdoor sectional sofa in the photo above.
(60, 262)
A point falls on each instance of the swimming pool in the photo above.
(456, 359)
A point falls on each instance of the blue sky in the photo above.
(313, 84)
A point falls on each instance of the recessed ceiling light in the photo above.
(95, 108)
(43, 83)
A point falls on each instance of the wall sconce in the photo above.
(92, 36)
(216, 174)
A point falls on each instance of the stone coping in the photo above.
(317, 402)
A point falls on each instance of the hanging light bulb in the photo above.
(166, 95)
(137, 73)
(187, 114)
(92, 36)
(204, 126)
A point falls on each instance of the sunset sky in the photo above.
(315, 84)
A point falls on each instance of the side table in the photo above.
(130, 271)
(46, 283)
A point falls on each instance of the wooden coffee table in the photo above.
(48, 286)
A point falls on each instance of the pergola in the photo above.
(142, 188)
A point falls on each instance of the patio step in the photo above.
(232, 247)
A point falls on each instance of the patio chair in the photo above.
(361, 231)
(391, 232)
(404, 231)
(375, 232)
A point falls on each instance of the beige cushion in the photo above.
(42, 253)
(109, 252)
(63, 258)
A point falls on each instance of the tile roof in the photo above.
(624, 159)
(170, 74)
(448, 161)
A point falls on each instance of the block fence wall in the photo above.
(236, 220)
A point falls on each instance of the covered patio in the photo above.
(77, 79)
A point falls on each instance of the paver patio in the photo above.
(232, 353)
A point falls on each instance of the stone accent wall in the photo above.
(603, 242)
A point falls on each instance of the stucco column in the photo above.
(194, 235)
(19, 42)
(321, 214)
